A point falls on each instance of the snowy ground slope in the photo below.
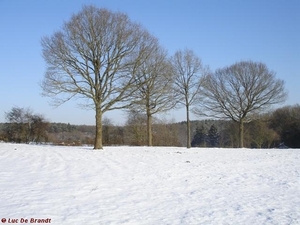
(142, 185)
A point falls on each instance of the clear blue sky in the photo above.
(221, 32)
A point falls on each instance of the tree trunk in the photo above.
(241, 133)
(149, 128)
(98, 138)
(188, 127)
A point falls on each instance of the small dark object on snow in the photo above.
(282, 146)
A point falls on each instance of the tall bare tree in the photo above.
(155, 93)
(240, 91)
(95, 56)
(188, 71)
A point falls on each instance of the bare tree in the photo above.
(262, 136)
(155, 93)
(165, 132)
(18, 127)
(239, 92)
(24, 126)
(107, 126)
(95, 56)
(135, 128)
(188, 71)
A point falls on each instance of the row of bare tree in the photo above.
(114, 63)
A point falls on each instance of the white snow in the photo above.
(149, 185)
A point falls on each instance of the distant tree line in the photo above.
(270, 130)
(267, 131)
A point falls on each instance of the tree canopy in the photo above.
(240, 91)
(95, 56)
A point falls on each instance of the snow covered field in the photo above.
(143, 185)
